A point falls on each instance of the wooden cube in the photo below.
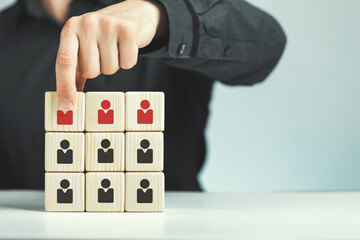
(104, 152)
(105, 112)
(145, 111)
(62, 121)
(105, 192)
(64, 152)
(64, 192)
(144, 191)
(144, 151)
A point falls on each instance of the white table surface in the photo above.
(192, 216)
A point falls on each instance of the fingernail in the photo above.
(66, 104)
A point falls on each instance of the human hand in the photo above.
(104, 41)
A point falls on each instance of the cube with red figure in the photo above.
(105, 112)
(59, 120)
(144, 111)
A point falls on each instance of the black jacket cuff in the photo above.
(180, 29)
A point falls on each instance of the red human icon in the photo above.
(64, 118)
(105, 117)
(145, 115)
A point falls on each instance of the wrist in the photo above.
(162, 29)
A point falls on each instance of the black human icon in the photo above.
(64, 155)
(144, 194)
(108, 195)
(105, 154)
(64, 195)
(144, 155)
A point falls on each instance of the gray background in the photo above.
(299, 130)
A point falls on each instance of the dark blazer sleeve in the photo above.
(226, 40)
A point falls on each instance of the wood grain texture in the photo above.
(76, 184)
(132, 105)
(93, 105)
(93, 144)
(51, 108)
(94, 203)
(132, 185)
(54, 145)
(133, 143)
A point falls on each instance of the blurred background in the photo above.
(300, 129)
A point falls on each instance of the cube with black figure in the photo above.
(64, 192)
(104, 152)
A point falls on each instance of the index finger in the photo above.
(65, 69)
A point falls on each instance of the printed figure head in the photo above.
(105, 143)
(105, 104)
(64, 184)
(144, 183)
(145, 104)
(144, 143)
(64, 144)
(105, 183)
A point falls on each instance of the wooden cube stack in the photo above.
(105, 155)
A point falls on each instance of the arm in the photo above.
(230, 40)
(104, 41)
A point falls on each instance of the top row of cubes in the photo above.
(107, 112)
